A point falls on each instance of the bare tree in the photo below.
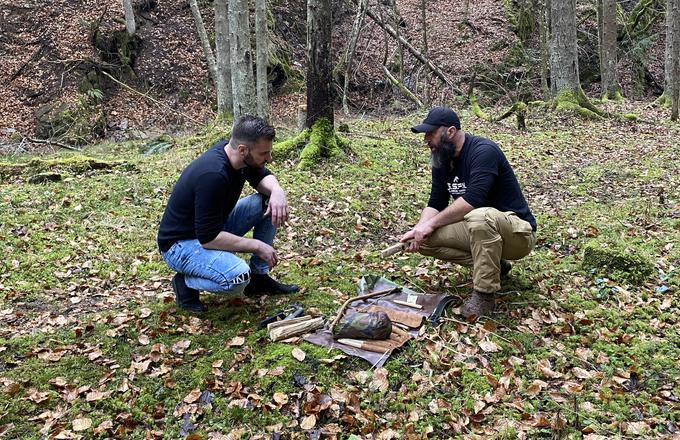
(241, 57)
(129, 17)
(205, 43)
(543, 26)
(225, 101)
(262, 58)
(608, 60)
(351, 48)
(319, 62)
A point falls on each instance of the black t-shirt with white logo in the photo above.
(483, 177)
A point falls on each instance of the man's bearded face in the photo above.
(442, 151)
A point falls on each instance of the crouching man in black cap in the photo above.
(489, 221)
(205, 221)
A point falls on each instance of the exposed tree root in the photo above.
(316, 144)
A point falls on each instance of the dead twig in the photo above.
(357, 298)
(155, 101)
(51, 142)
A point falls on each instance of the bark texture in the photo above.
(225, 101)
(129, 17)
(608, 58)
(262, 43)
(563, 47)
(205, 43)
(351, 48)
(674, 11)
(319, 62)
(242, 81)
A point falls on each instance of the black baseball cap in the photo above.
(438, 117)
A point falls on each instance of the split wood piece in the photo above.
(407, 304)
(295, 329)
(392, 250)
(410, 319)
(285, 322)
(357, 298)
(366, 345)
(400, 335)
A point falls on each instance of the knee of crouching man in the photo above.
(239, 283)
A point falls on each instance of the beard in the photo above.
(250, 161)
(444, 154)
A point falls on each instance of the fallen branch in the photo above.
(415, 52)
(155, 101)
(51, 142)
(409, 94)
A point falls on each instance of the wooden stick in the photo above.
(366, 345)
(285, 322)
(392, 250)
(407, 304)
(299, 328)
(357, 298)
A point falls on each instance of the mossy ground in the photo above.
(86, 304)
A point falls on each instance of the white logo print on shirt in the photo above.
(456, 188)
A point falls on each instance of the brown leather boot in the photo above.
(478, 304)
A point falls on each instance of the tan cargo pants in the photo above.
(484, 237)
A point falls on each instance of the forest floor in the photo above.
(92, 345)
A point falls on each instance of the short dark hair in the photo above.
(249, 129)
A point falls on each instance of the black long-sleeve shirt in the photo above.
(204, 196)
(483, 177)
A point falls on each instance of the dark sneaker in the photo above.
(262, 283)
(478, 304)
(506, 267)
(186, 297)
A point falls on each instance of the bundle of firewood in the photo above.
(288, 328)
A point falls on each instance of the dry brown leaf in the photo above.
(489, 346)
(179, 346)
(581, 373)
(536, 387)
(81, 424)
(379, 381)
(281, 398)
(144, 339)
(103, 426)
(144, 312)
(193, 396)
(237, 341)
(309, 422)
(298, 354)
(545, 368)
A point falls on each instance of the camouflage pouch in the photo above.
(371, 325)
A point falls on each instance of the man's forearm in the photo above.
(233, 243)
(268, 185)
(454, 213)
(427, 214)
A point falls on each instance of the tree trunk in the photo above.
(205, 43)
(608, 60)
(670, 50)
(563, 47)
(545, 51)
(319, 62)
(351, 48)
(564, 78)
(241, 57)
(262, 62)
(129, 17)
(225, 101)
(675, 37)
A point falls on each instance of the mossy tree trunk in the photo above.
(608, 59)
(262, 58)
(674, 11)
(564, 76)
(319, 62)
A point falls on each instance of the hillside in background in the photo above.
(56, 55)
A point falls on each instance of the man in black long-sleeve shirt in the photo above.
(489, 221)
(205, 221)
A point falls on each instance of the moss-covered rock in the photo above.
(618, 262)
(76, 123)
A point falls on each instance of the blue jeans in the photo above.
(219, 271)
